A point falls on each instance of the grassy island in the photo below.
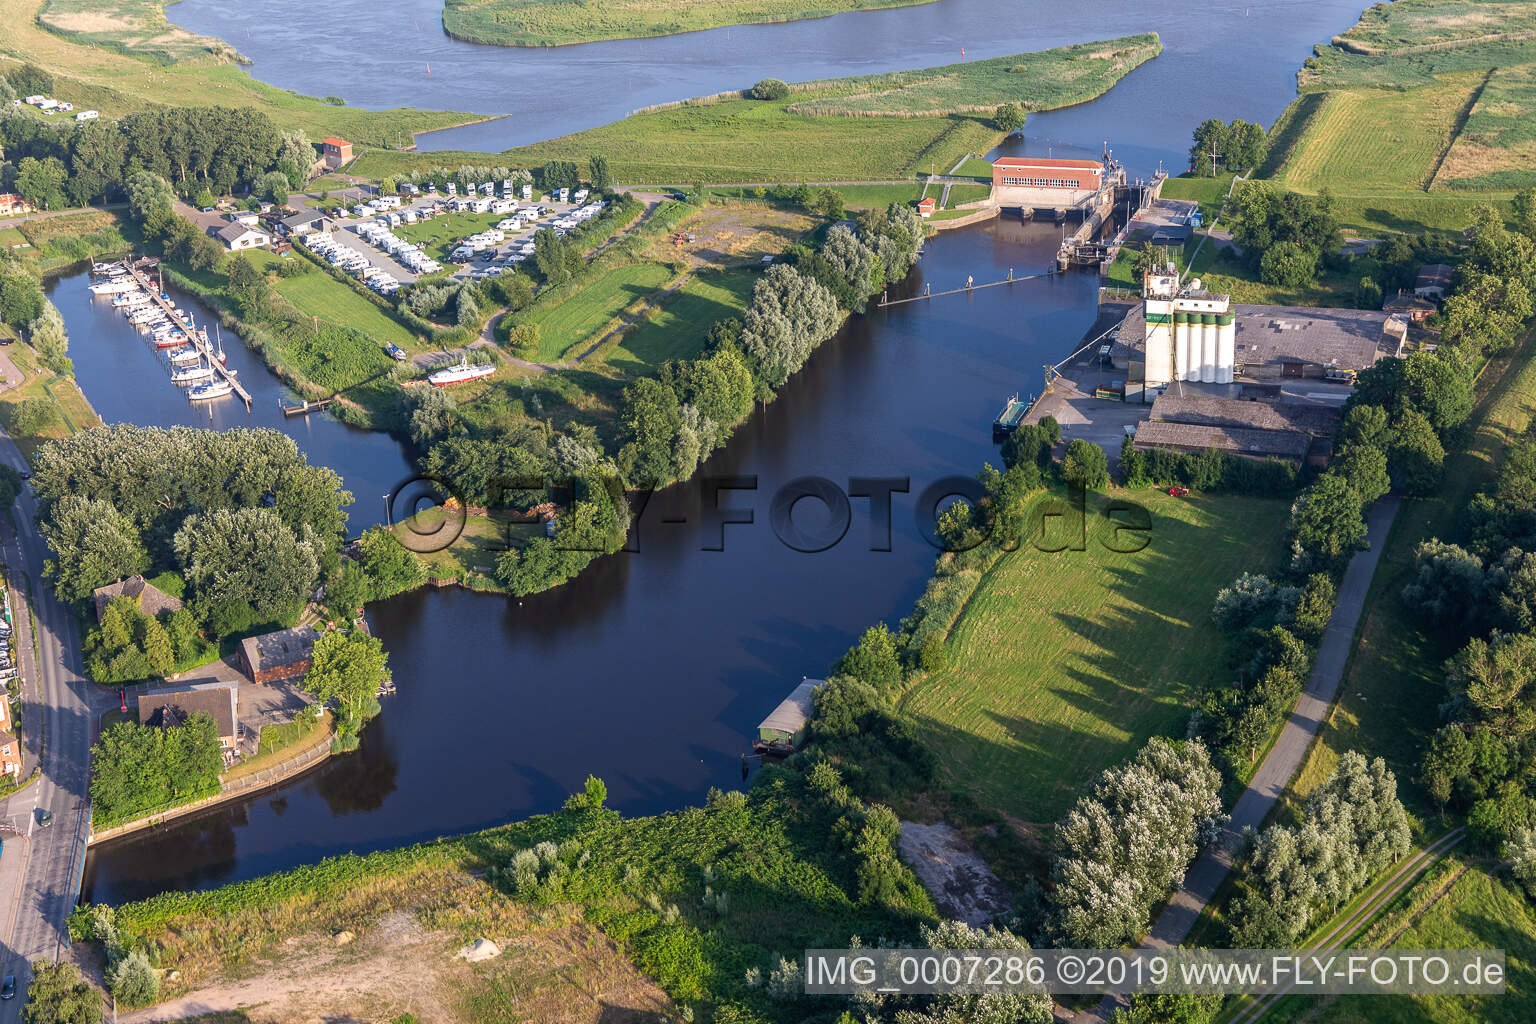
(555, 23)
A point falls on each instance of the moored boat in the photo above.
(114, 286)
(184, 355)
(128, 300)
(213, 389)
(191, 374)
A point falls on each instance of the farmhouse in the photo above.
(150, 599)
(276, 656)
(237, 237)
(1432, 281)
(12, 204)
(168, 707)
(334, 152)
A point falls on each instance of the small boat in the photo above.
(175, 339)
(108, 269)
(144, 315)
(464, 371)
(213, 389)
(191, 374)
(129, 300)
(113, 286)
(184, 355)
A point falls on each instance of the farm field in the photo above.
(555, 23)
(97, 74)
(577, 318)
(676, 330)
(1389, 702)
(1064, 663)
(729, 139)
(135, 27)
(1371, 140)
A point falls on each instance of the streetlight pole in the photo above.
(386, 510)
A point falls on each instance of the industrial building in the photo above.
(1038, 181)
(1291, 431)
(1187, 334)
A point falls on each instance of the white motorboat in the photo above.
(213, 389)
(130, 299)
(114, 286)
(192, 374)
(183, 356)
(463, 371)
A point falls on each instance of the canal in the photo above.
(651, 669)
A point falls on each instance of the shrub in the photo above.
(769, 89)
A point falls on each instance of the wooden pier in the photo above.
(304, 408)
(970, 286)
(200, 343)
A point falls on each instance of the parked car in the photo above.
(44, 817)
(8, 987)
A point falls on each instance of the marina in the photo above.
(194, 361)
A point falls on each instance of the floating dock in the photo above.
(193, 339)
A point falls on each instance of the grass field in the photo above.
(1065, 663)
(1380, 140)
(556, 22)
(318, 294)
(1479, 910)
(71, 411)
(575, 321)
(1038, 81)
(99, 76)
(723, 140)
(442, 234)
(1210, 193)
(1389, 702)
(676, 330)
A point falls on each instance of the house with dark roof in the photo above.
(1433, 281)
(150, 599)
(168, 707)
(301, 223)
(1409, 306)
(237, 237)
(273, 657)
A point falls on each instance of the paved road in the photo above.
(1285, 757)
(38, 875)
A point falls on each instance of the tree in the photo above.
(789, 316)
(31, 417)
(549, 256)
(1327, 520)
(1367, 294)
(1210, 145)
(59, 994)
(1085, 463)
(136, 768)
(829, 203)
(1009, 117)
(561, 174)
(132, 981)
(41, 182)
(432, 415)
(274, 185)
(21, 299)
(93, 545)
(874, 659)
(769, 89)
(651, 416)
(855, 264)
(1288, 265)
(1439, 385)
(390, 565)
(1448, 584)
(1127, 844)
(1364, 467)
(1415, 455)
(346, 666)
(598, 173)
(149, 195)
(246, 556)
(1245, 145)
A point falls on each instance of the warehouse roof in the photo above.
(1210, 411)
(795, 710)
(1345, 339)
(1253, 442)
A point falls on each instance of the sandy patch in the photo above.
(962, 885)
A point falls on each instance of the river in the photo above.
(652, 668)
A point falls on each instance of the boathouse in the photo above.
(784, 729)
(273, 657)
(150, 598)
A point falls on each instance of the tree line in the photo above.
(194, 148)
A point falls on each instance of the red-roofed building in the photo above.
(12, 204)
(335, 152)
(1041, 172)
(925, 207)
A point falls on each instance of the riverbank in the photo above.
(120, 70)
(553, 23)
(856, 129)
